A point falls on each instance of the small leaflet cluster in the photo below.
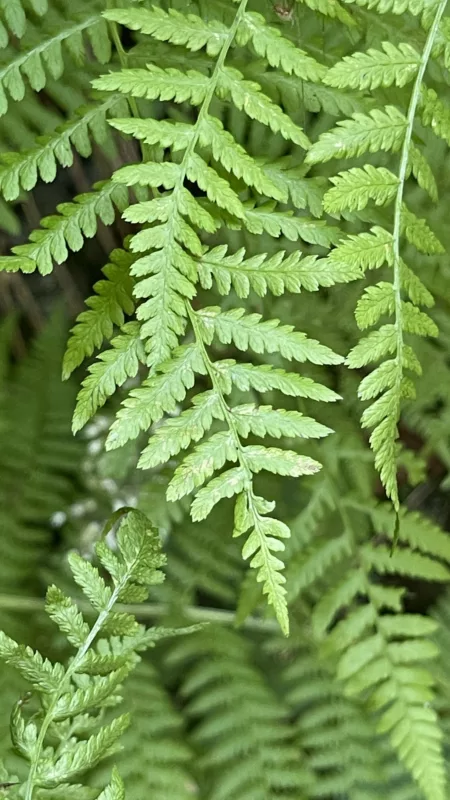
(388, 129)
(58, 728)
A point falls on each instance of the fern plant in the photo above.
(105, 652)
(169, 260)
(204, 137)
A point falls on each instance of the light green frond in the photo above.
(187, 30)
(178, 432)
(234, 158)
(41, 52)
(266, 218)
(249, 330)
(22, 170)
(259, 273)
(157, 395)
(267, 421)
(279, 51)
(156, 83)
(247, 96)
(355, 188)
(435, 114)
(207, 458)
(330, 8)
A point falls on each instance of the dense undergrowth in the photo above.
(252, 404)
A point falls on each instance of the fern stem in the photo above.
(396, 233)
(72, 668)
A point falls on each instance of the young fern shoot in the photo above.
(384, 130)
(66, 736)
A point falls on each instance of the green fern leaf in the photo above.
(267, 421)
(75, 222)
(177, 433)
(261, 274)
(354, 189)
(156, 83)
(207, 458)
(265, 218)
(247, 95)
(266, 378)
(278, 50)
(247, 330)
(22, 170)
(157, 395)
(188, 30)
(435, 114)
(106, 308)
(112, 369)
(390, 66)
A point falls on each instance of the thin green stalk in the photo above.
(22, 605)
(397, 229)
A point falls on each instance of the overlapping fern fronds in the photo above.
(379, 651)
(241, 731)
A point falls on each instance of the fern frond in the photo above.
(356, 187)
(380, 129)
(172, 259)
(154, 756)
(277, 49)
(38, 464)
(41, 52)
(157, 395)
(68, 696)
(378, 648)
(110, 371)
(13, 13)
(344, 750)
(390, 66)
(388, 130)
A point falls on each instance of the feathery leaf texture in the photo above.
(69, 696)
(373, 646)
(390, 130)
(167, 261)
(66, 231)
(240, 729)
